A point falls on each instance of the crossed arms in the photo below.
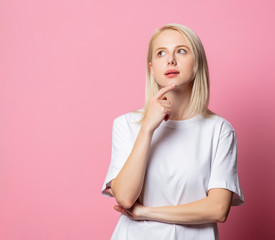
(127, 186)
(213, 208)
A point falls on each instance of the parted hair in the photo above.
(199, 98)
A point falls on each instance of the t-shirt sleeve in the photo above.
(121, 149)
(224, 167)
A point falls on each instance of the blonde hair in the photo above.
(199, 99)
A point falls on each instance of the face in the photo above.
(171, 51)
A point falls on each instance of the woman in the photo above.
(173, 179)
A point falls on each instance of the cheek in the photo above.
(160, 66)
(192, 63)
(188, 65)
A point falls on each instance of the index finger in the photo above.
(164, 90)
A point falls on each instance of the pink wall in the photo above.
(66, 68)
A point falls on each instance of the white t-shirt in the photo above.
(186, 158)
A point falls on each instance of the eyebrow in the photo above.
(176, 46)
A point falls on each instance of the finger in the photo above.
(167, 116)
(126, 213)
(118, 208)
(166, 105)
(122, 210)
(164, 101)
(166, 109)
(164, 90)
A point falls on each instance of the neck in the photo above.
(179, 97)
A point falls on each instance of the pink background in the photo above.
(66, 68)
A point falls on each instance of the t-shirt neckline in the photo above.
(182, 123)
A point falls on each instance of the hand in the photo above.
(136, 212)
(159, 108)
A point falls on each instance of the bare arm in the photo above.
(213, 208)
(127, 186)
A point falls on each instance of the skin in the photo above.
(214, 208)
(171, 51)
(171, 100)
(127, 185)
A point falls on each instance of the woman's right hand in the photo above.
(159, 107)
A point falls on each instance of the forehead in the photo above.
(169, 38)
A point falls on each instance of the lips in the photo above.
(171, 71)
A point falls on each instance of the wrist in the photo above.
(145, 213)
(147, 130)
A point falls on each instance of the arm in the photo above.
(213, 208)
(127, 186)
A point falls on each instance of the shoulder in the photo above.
(219, 124)
(128, 118)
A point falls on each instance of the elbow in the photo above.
(124, 201)
(125, 204)
(222, 219)
(222, 213)
(120, 198)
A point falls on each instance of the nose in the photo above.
(172, 60)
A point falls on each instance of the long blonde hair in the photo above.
(199, 99)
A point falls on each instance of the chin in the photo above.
(175, 81)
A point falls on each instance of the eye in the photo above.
(182, 49)
(160, 52)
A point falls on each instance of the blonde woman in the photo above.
(173, 170)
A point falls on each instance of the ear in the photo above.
(150, 66)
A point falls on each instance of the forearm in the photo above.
(202, 211)
(127, 186)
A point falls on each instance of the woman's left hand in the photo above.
(136, 212)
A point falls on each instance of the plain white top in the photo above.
(186, 158)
